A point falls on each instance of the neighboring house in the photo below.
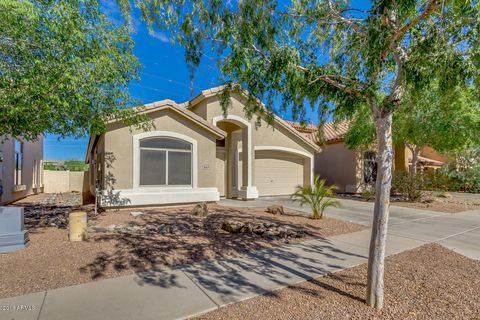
(197, 154)
(351, 170)
(21, 172)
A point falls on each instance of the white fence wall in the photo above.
(63, 181)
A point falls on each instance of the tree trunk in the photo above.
(415, 153)
(383, 123)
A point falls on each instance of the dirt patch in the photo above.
(429, 282)
(451, 202)
(51, 261)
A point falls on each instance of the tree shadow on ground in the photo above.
(151, 254)
(52, 211)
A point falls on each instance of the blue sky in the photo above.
(164, 75)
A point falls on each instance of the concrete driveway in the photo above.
(459, 232)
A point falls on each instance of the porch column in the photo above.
(248, 190)
(308, 171)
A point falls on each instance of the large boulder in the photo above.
(200, 210)
(232, 226)
(275, 209)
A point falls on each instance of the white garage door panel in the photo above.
(277, 173)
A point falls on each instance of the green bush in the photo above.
(318, 197)
(368, 195)
(445, 179)
(407, 185)
(466, 180)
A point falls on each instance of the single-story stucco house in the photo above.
(21, 168)
(352, 170)
(196, 154)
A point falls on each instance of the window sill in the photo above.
(20, 187)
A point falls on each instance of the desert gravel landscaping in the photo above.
(429, 282)
(450, 202)
(121, 244)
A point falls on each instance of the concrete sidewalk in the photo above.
(201, 287)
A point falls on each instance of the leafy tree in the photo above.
(330, 55)
(447, 125)
(318, 197)
(75, 165)
(64, 68)
(50, 166)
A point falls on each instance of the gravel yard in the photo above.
(429, 282)
(451, 202)
(121, 244)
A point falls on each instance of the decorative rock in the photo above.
(271, 233)
(275, 209)
(232, 226)
(200, 209)
(98, 229)
(197, 225)
(136, 213)
(269, 224)
(259, 231)
(246, 228)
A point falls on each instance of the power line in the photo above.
(160, 90)
(169, 80)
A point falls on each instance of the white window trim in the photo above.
(159, 134)
(18, 176)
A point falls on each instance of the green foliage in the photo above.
(75, 165)
(462, 178)
(449, 178)
(368, 195)
(326, 55)
(67, 165)
(446, 123)
(318, 197)
(409, 185)
(64, 68)
(50, 166)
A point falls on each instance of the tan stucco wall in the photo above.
(338, 165)
(263, 133)
(119, 148)
(220, 171)
(402, 155)
(31, 151)
(64, 181)
(431, 153)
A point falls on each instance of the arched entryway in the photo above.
(239, 137)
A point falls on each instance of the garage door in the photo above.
(277, 173)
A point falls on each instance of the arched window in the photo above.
(165, 161)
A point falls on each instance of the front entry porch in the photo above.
(236, 152)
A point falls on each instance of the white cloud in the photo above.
(160, 36)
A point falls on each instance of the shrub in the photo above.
(408, 185)
(368, 195)
(466, 180)
(318, 197)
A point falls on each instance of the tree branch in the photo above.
(328, 79)
(337, 15)
(431, 6)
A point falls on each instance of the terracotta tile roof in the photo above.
(428, 161)
(331, 131)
